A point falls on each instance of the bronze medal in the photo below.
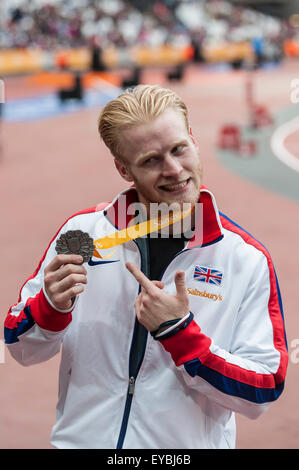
(75, 242)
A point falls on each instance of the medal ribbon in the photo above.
(138, 230)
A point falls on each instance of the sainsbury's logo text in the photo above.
(204, 294)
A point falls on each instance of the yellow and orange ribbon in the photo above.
(138, 230)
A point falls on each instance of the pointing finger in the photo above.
(139, 276)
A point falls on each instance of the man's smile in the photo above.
(177, 187)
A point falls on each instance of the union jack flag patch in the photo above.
(209, 275)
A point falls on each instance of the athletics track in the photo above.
(54, 165)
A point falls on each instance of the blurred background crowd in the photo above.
(49, 24)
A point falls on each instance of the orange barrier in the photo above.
(291, 48)
(228, 52)
(18, 61)
(160, 55)
(65, 79)
(15, 61)
(22, 61)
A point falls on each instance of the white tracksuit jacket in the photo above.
(232, 357)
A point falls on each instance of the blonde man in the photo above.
(211, 302)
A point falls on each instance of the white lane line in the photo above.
(278, 147)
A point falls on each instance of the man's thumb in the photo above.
(180, 283)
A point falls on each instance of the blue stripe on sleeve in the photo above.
(231, 386)
(11, 334)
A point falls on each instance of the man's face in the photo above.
(162, 160)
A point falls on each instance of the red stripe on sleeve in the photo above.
(188, 344)
(12, 321)
(46, 316)
(275, 312)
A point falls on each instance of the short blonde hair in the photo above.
(136, 106)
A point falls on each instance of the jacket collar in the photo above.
(209, 229)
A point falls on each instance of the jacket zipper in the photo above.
(131, 385)
(143, 249)
(132, 378)
(124, 423)
(130, 393)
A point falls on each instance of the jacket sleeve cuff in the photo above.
(74, 300)
(188, 344)
(46, 316)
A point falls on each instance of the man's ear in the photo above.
(123, 170)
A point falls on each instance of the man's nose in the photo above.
(171, 166)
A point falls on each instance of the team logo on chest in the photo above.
(208, 275)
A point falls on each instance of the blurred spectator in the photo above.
(49, 24)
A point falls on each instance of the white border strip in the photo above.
(278, 147)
